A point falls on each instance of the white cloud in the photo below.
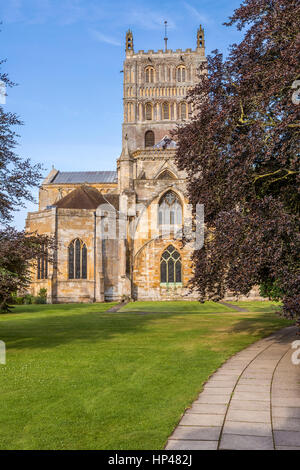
(67, 12)
(71, 11)
(196, 14)
(148, 19)
(42, 11)
(104, 38)
(95, 16)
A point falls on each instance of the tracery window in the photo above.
(170, 266)
(169, 210)
(77, 259)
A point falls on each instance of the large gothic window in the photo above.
(149, 139)
(170, 266)
(77, 260)
(169, 210)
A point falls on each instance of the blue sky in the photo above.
(66, 56)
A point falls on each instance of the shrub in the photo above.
(16, 300)
(28, 299)
(271, 290)
(41, 298)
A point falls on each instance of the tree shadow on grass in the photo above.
(67, 325)
(260, 326)
(57, 308)
(49, 331)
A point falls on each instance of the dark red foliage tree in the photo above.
(18, 251)
(242, 157)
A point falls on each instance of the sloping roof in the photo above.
(86, 197)
(85, 177)
(112, 199)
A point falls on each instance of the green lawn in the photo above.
(258, 306)
(79, 378)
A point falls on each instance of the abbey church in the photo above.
(117, 231)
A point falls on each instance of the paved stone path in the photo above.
(234, 307)
(117, 307)
(251, 402)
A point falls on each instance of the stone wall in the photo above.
(146, 272)
(102, 257)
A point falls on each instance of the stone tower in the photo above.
(154, 98)
(154, 91)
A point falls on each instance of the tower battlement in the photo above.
(200, 49)
(141, 52)
(155, 87)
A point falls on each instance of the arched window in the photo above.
(149, 139)
(150, 73)
(149, 111)
(183, 110)
(42, 265)
(166, 111)
(181, 73)
(77, 260)
(169, 210)
(170, 266)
